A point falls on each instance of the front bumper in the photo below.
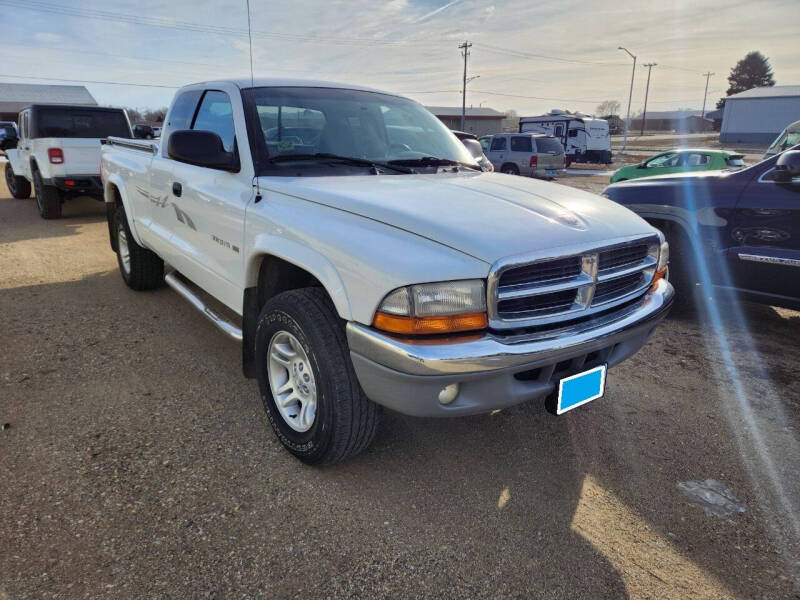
(495, 371)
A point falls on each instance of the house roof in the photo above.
(15, 96)
(772, 91)
(455, 111)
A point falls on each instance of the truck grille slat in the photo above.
(562, 288)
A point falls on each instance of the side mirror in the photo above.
(788, 166)
(9, 143)
(201, 148)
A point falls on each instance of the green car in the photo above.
(679, 161)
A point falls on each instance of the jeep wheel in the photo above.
(19, 187)
(305, 375)
(48, 198)
(141, 268)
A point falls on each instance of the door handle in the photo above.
(177, 189)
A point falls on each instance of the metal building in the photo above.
(760, 114)
(16, 96)
(479, 121)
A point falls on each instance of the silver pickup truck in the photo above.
(365, 260)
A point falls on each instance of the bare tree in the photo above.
(155, 116)
(608, 108)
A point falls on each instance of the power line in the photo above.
(520, 54)
(149, 85)
(44, 7)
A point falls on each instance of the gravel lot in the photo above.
(138, 463)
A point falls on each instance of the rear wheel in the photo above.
(141, 268)
(510, 169)
(19, 187)
(305, 375)
(48, 198)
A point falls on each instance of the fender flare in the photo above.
(13, 159)
(301, 256)
(115, 181)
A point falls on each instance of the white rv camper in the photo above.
(585, 139)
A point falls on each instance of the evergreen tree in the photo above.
(752, 71)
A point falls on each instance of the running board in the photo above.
(174, 281)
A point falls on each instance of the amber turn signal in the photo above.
(662, 274)
(430, 325)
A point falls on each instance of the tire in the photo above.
(48, 198)
(19, 187)
(343, 420)
(682, 273)
(510, 169)
(142, 269)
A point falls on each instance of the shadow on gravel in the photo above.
(141, 459)
(28, 224)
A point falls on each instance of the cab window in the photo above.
(670, 159)
(695, 159)
(498, 144)
(216, 114)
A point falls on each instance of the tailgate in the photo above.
(81, 155)
(550, 161)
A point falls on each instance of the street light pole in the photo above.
(630, 97)
(705, 95)
(646, 92)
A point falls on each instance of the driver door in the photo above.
(765, 257)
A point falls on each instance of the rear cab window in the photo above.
(522, 143)
(548, 145)
(54, 122)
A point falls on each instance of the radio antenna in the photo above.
(250, 38)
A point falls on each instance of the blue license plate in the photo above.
(550, 172)
(579, 389)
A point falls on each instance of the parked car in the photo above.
(788, 137)
(680, 161)
(58, 151)
(472, 144)
(528, 154)
(375, 265)
(733, 231)
(8, 131)
(143, 132)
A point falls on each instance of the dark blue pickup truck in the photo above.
(733, 231)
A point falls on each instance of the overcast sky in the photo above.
(405, 46)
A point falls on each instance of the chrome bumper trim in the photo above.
(491, 352)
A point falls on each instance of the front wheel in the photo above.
(19, 187)
(305, 375)
(48, 198)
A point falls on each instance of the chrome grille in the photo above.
(538, 290)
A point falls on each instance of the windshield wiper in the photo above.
(351, 160)
(430, 161)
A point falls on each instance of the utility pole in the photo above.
(646, 92)
(465, 47)
(705, 95)
(630, 97)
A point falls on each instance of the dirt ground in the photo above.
(136, 461)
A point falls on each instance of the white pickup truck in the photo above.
(58, 151)
(364, 260)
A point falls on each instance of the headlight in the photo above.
(663, 256)
(660, 253)
(428, 308)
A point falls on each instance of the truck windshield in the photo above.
(80, 123)
(349, 123)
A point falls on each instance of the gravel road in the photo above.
(137, 461)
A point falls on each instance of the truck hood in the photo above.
(486, 215)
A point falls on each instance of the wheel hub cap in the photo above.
(124, 250)
(291, 381)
